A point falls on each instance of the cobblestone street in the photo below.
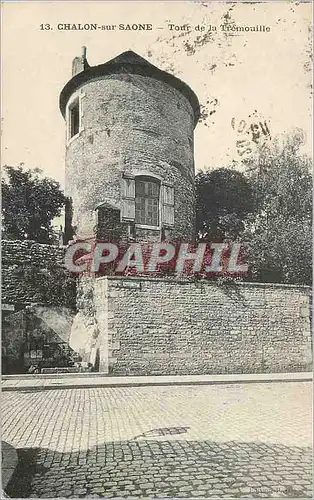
(237, 440)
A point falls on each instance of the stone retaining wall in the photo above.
(163, 326)
(35, 273)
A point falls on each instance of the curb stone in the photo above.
(84, 382)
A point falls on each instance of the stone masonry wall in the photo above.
(34, 273)
(164, 326)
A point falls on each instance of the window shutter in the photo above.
(128, 199)
(167, 205)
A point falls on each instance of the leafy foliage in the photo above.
(29, 203)
(270, 211)
(224, 199)
(279, 238)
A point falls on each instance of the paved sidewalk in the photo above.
(68, 381)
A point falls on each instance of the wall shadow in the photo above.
(165, 468)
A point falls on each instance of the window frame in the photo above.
(75, 105)
(155, 180)
(127, 194)
(75, 100)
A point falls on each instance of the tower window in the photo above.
(147, 192)
(74, 118)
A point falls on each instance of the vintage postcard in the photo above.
(156, 249)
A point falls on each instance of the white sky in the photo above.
(262, 71)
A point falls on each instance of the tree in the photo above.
(224, 199)
(269, 211)
(29, 203)
(279, 237)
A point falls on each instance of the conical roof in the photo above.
(129, 57)
(127, 62)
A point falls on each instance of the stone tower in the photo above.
(129, 150)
